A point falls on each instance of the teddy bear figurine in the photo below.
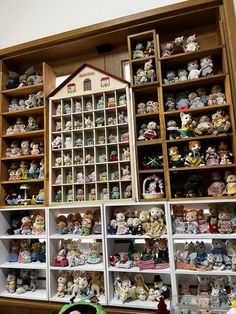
(195, 157)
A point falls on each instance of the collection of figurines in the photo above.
(152, 161)
(220, 184)
(75, 223)
(20, 126)
(149, 222)
(83, 105)
(24, 148)
(26, 223)
(69, 254)
(192, 72)
(220, 255)
(194, 155)
(19, 196)
(33, 101)
(149, 107)
(196, 99)
(209, 294)
(25, 170)
(125, 290)
(194, 221)
(30, 77)
(154, 255)
(22, 280)
(27, 251)
(81, 285)
(217, 123)
(149, 131)
(179, 45)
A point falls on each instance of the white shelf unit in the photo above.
(119, 243)
(41, 293)
(178, 240)
(54, 243)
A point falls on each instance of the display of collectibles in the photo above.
(91, 139)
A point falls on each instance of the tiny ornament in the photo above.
(162, 307)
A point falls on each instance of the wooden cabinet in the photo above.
(24, 143)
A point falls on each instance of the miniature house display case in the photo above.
(91, 138)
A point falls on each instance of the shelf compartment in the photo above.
(23, 91)
(25, 112)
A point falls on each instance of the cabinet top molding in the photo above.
(126, 22)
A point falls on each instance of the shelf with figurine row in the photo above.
(26, 134)
(23, 112)
(23, 91)
(23, 157)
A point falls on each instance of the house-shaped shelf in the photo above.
(91, 138)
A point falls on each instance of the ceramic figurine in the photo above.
(122, 118)
(231, 185)
(195, 157)
(78, 124)
(94, 254)
(168, 49)
(89, 159)
(113, 155)
(58, 179)
(58, 161)
(101, 139)
(80, 178)
(79, 142)
(124, 138)
(224, 153)
(111, 120)
(149, 70)
(122, 100)
(126, 175)
(175, 159)
(93, 195)
(68, 126)
(88, 106)
(126, 154)
(36, 150)
(56, 143)
(191, 44)
(128, 191)
(69, 178)
(99, 121)
(102, 158)
(204, 126)
(58, 110)
(141, 108)
(104, 194)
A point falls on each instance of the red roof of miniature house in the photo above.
(79, 70)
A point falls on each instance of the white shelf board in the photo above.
(66, 299)
(192, 202)
(138, 270)
(39, 294)
(130, 236)
(76, 236)
(86, 267)
(206, 272)
(33, 265)
(19, 208)
(20, 236)
(136, 304)
(204, 236)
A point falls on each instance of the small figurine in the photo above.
(195, 157)
(101, 103)
(111, 103)
(124, 137)
(170, 102)
(80, 178)
(93, 194)
(170, 77)
(178, 45)
(101, 139)
(70, 197)
(58, 110)
(58, 179)
(122, 118)
(126, 154)
(126, 175)
(88, 106)
(58, 196)
(217, 186)
(186, 125)
(128, 191)
(67, 109)
(152, 131)
(175, 159)
(221, 123)
(204, 126)
(79, 142)
(94, 254)
(88, 123)
(224, 154)
(194, 73)
(172, 130)
(212, 158)
(207, 67)
(195, 101)
(168, 49)
(69, 178)
(216, 97)
(68, 125)
(138, 51)
(111, 120)
(201, 92)
(99, 121)
(80, 195)
(122, 100)
(182, 75)
(231, 185)
(191, 44)
(113, 155)
(182, 102)
(78, 107)
(141, 108)
(86, 224)
(68, 142)
(56, 143)
(115, 192)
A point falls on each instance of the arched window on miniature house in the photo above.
(87, 84)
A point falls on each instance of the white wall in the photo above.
(26, 20)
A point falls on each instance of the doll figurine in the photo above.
(217, 97)
(94, 254)
(217, 186)
(175, 159)
(195, 101)
(195, 157)
(86, 224)
(212, 158)
(186, 129)
(152, 131)
(182, 101)
(191, 44)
